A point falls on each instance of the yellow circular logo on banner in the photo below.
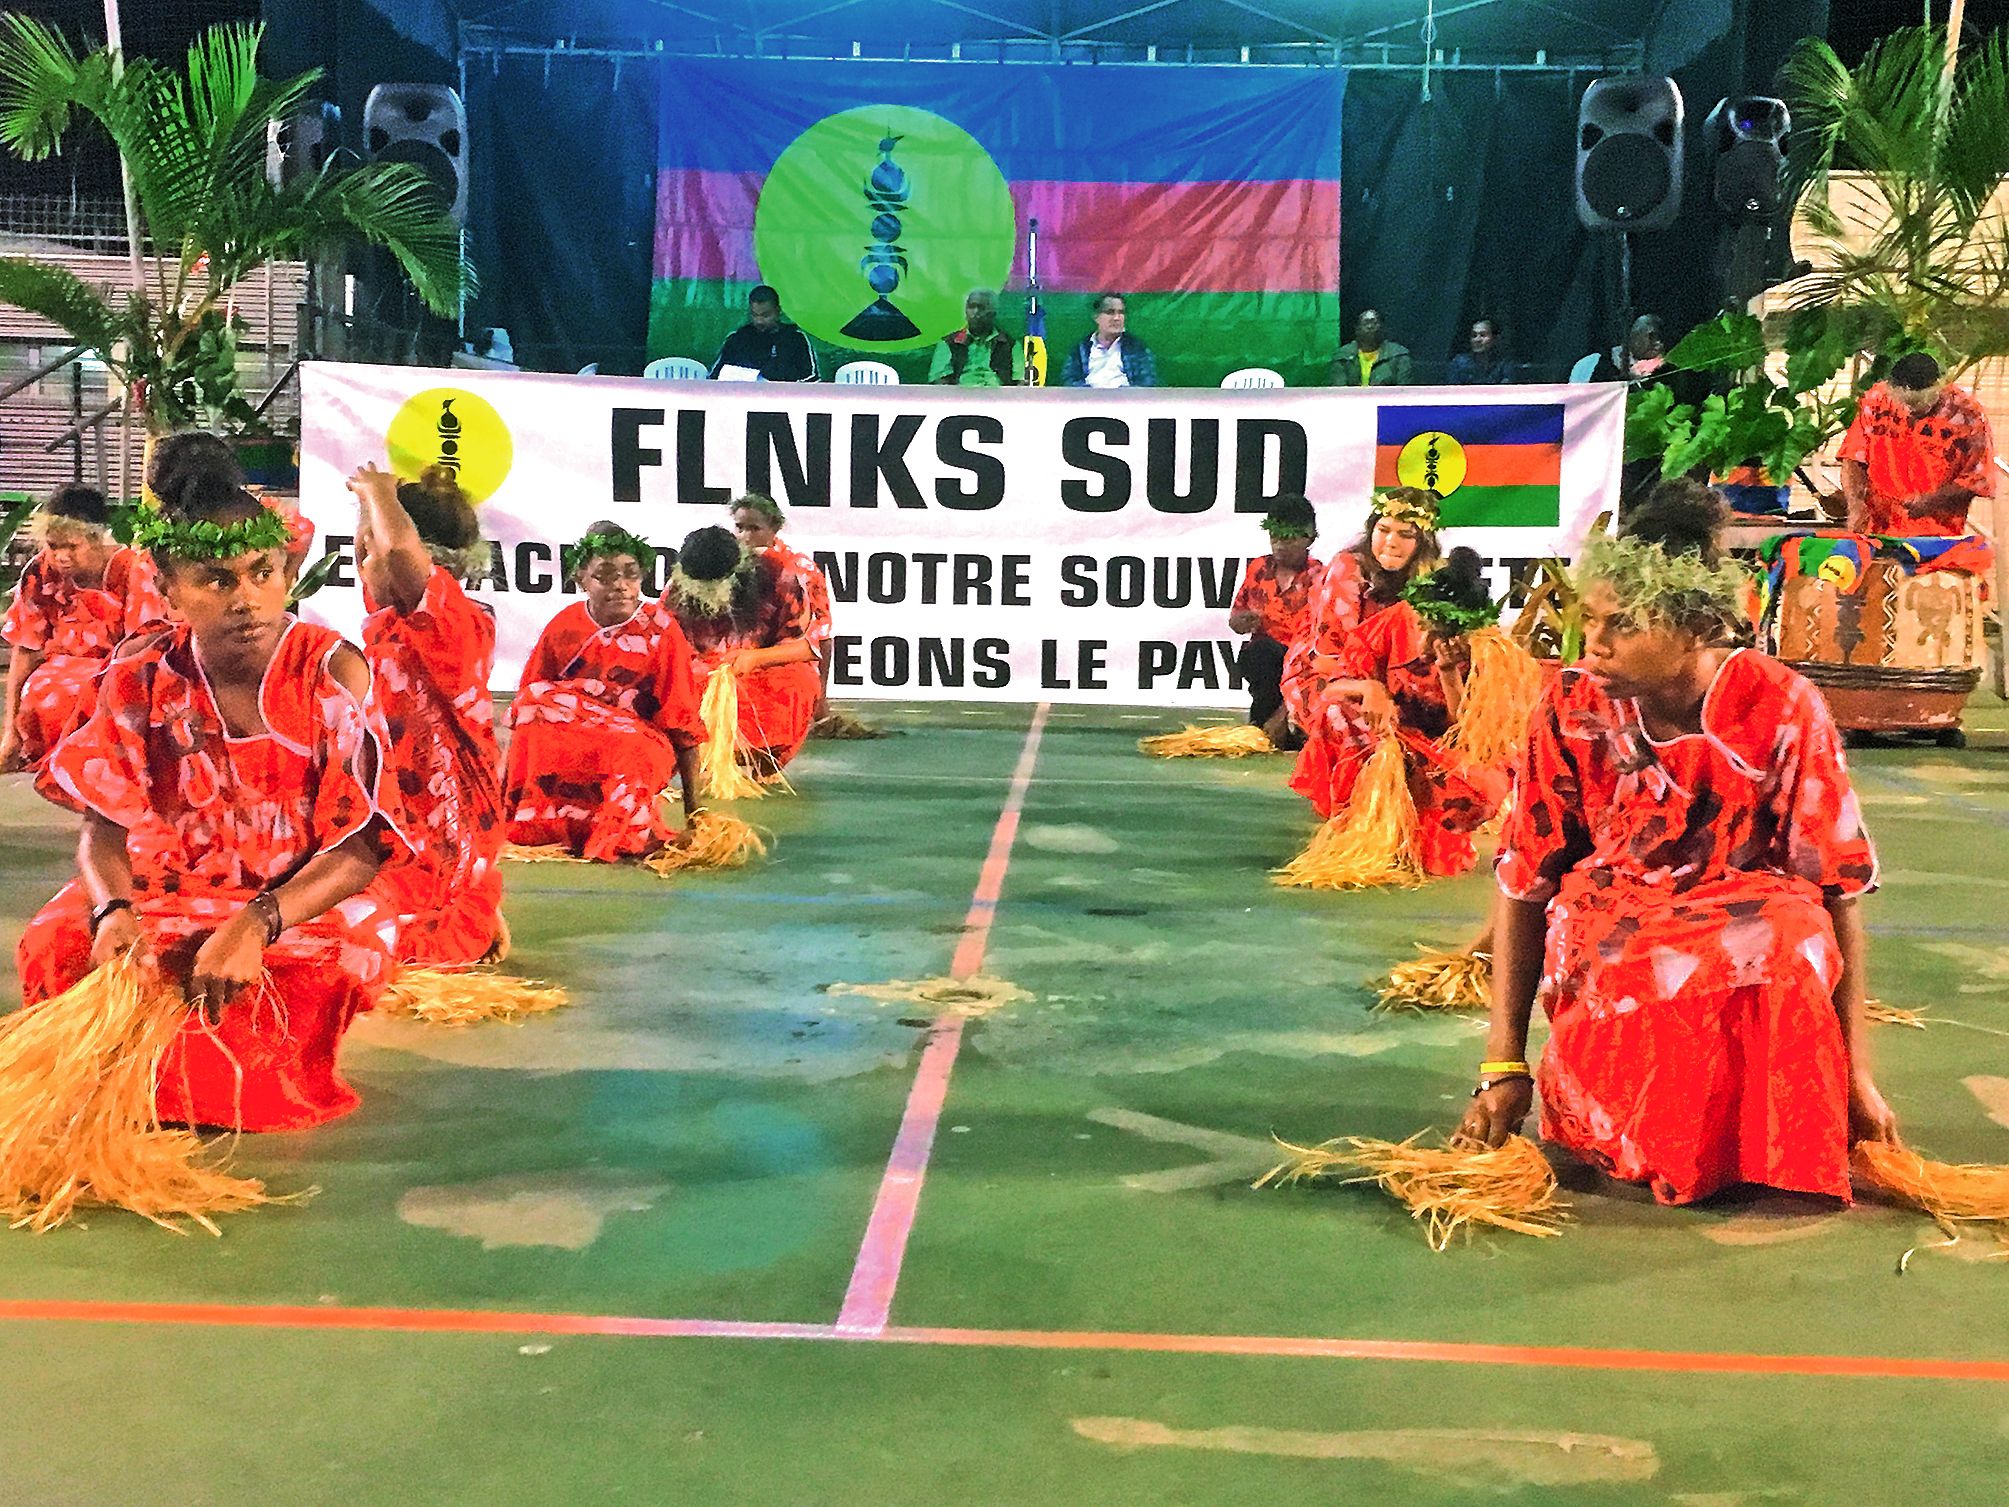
(1840, 570)
(1434, 460)
(451, 427)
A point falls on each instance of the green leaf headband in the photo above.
(1669, 589)
(154, 531)
(1427, 595)
(614, 542)
(1284, 528)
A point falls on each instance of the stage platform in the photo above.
(649, 1250)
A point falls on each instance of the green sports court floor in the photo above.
(658, 1248)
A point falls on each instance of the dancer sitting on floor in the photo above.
(195, 458)
(76, 599)
(1405, 672)
(605, 714)
(232, 784)
(1273, 607)
(1369, 575)
(431, 648)
(741, 609)
(1680, 880)
(757, 520)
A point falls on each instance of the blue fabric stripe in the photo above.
(1068, 123)
(1474, 424)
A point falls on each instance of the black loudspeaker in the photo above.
(300, 145)
(1747, 137)
(1629, 154)
(426, 125)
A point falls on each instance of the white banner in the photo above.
(982, 545)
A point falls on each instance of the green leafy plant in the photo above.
(194, 148)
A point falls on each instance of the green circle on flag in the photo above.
(876, 222)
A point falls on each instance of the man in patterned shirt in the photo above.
(1272, 607)
(1917, 456)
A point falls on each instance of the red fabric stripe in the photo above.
(1488, 465)
(1132, 237)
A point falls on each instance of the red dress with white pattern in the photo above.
(75, 628)
(211, 819)
(1284, 611)
(1454, 797)
(817, 624)
(777, 704)
(1691, 964)
(595, 726)
(1340, 603)
(429, 669)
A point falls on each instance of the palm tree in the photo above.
(1928, 133)
(194, 149)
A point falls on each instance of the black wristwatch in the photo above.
(100, 913)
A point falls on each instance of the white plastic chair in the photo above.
(1252, 376)
(590, 369)
(675, 369)
(866, 373)
(1581, 372)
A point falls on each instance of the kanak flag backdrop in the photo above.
(875, 196)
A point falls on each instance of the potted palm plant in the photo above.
(194, 148)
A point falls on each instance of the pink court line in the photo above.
(875, 1276)
(1303, 1347)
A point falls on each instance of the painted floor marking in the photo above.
(1307, 1347)
(875, 1277)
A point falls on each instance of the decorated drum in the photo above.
(1892, 651)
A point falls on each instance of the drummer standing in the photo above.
(1917, 455)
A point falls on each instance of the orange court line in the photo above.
(1305, 1347)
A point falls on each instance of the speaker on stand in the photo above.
(424, 125)
(297, 147)
(1628, 162)
(1748, 146)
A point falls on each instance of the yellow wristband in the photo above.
(1492, 1068)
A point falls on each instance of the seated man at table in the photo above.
(981, 354)
(1112, 356)
(767, 344)
(1917, 455)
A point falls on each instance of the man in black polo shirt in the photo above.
(767, 343)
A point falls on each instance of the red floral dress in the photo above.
(815, 593)
(1907, 457)
(595, 726)
(75, 628)
(1339, 605)
(777, 704)
(429, 669)
(1284, 610)
(1454, 798)
(210, 820)
(1691, 964)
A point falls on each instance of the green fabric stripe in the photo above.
(1503, 507)
(1198, 338)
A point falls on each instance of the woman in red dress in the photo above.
(76, 599)
(1404, 671)
(605, 714)
(231, 781)
(1679, 886)
(1399, 544)
(431, 648)
(741, 608)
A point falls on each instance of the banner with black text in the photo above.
(992, 545)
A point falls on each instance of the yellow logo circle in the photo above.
(1839, 569)
(448, 426)
(1433, 460)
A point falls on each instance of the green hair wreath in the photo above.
(200, 539)
(1658, 587)
(1438, 607)
(608, 542)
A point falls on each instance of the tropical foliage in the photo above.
(194, 145)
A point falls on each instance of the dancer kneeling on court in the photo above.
(606, 713)
(1680, 881)
(1273, 607)
(232, 783)
(75, 600)
(1406, 673)
(758, 520)
(1368, 576)
(742, 609)
(431, 648)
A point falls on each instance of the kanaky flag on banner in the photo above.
(1496, 465)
